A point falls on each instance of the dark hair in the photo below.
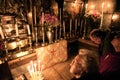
(98, 33)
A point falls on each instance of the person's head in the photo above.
(96, 35)
(78, 66)
(116, 42)
(83, 62)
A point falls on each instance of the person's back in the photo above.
(103, 39)
(110, 62)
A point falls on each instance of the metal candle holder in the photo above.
(43, 35)
(56, 35)
(84, 34)
(70, 28)
(30, 43)
(6, 49)
(18, 44)
(36, 36)
(64, 30)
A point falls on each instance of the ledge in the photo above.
(21, 60)
(87, 44)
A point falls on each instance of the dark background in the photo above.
(117, 5)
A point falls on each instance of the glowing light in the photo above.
(103, 5)
(86, 6)
(22, 54)
(35, 73)
(108, 5)
(115, 16)
(30, 14)
(75, 3)
(92, 6)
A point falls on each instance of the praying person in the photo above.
(85, 65)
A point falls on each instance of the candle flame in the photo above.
(103, 5)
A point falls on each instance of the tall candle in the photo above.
(60, 15)
(28, 28)
(75, 25)
(102, 15)
(42, 18)
(86, 7)
(1, 33)
(16, 28)
(35, 14)
(30, 71)
(64, 26)
(39, 63)
(108, 7)
(70, 26)
(32, 66)
(29, 15)
(35, 67)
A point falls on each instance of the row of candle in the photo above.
(35, 70)
(76, 24)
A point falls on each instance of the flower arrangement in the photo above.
(93, 18)
(95, 15)
(50, 20)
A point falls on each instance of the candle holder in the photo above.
(36, 71)
(76, 27)
(60, 32)
(36, 36)
(18, 44)
(84, 32)
(43, 35)
(56, 35)
(6, 50)
(30, 44)
(64, 30)
(70, 28)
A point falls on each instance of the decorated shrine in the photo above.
(39, 38)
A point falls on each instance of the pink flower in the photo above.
(50, 20)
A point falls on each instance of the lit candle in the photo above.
(35, 67)
(39, 63)
(30, 18)
(1, 33)
(16, 28)
(102, 15)
(108, 7)
(31, 74)
(32, 66)
(86, 7)
(102, 6)
(35, 71)
(42, 67)
(28, 28)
